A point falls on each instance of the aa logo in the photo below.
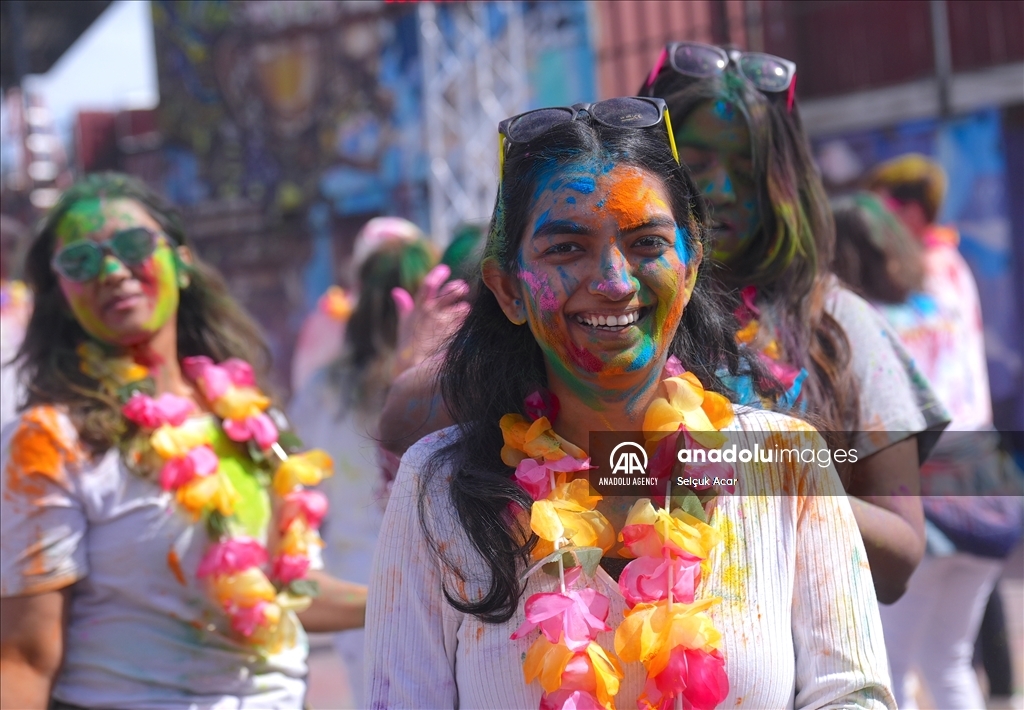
(628, 459)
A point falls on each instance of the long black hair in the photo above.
(492, 364)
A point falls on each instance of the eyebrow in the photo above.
(653, 223)
(561, 226)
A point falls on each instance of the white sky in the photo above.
(111, 66)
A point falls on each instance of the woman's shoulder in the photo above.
(42, 436)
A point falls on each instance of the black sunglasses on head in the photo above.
(768, 73)
(622, 112)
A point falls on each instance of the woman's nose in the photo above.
(113, 269)
(615, 279)
(717, 186)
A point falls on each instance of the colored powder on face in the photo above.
(540, 290)
(725, 110)
(582, 185)
(84, 218)
(161, 284)
(727, 186)
(629, 198)
(570, 200)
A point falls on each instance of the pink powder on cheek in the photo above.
(541, 289)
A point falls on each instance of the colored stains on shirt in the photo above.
(39, 450)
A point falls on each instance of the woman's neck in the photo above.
(578, 416)
(160, 355)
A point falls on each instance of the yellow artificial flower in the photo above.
(99, 365)
(649, 632)
(280, 635)
(298, 538)
(535, 440)
(245, 588)
(747, 333)
(568, 513)
(607, 673)
(172, 442)
(306, 469)
(240, 403)
(679, 528)
(681, 401)
(213, 492)
(546, 660)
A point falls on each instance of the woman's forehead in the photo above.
(98, 217)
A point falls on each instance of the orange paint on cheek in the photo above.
(38, 449)
(629, 198)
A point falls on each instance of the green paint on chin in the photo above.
(84, 218)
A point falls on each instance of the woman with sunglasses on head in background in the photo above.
(499, 580)
(158, 540)
(739, 132)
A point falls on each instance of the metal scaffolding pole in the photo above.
(474, 75)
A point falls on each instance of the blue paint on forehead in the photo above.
(583, 185)
(683, 244)
(571, 200)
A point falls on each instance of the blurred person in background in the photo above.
(322, 335)
(15, 309)
(738, 129)
(157, 545)
(339, 408)
(911, 271)
(414, 406)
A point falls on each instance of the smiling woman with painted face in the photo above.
(739, 131)
(157, 540)
(501, 579)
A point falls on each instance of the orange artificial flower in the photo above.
(649, 632)
(568, 514)
(535, 440)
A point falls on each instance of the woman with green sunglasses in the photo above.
(159, 549)
(738, 129)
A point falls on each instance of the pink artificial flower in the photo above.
(240, 372)
(151, 413)
(535, 477)
(747, 310)
(578, 614)
(664, 459)
(785, 374)
(642, 540)
(697, 675)
(645, 579)
(542, 403)
(312, 505)
(231, 556)
(570, 700)
(213, 379)
(260, 428)
(673, 368)
(288, 568)
(200, 461)
(245, 619)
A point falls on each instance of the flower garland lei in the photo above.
(666, 627)
(253, 590)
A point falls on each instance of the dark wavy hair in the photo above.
(364, 369)
(209, 321)
(492, 364)
(788, 258)
(875, 254)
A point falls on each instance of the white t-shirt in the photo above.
(799, 617)
(139, 633)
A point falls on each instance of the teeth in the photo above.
(609, 321)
